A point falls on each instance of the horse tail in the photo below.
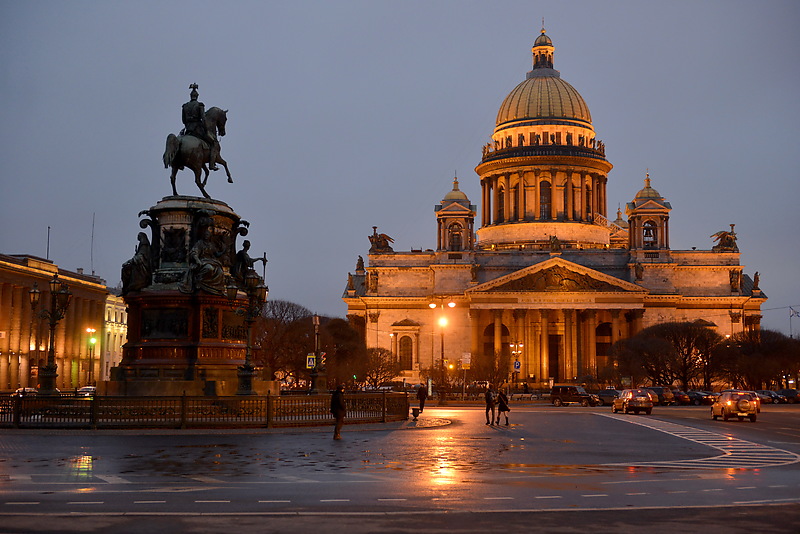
(173, 145)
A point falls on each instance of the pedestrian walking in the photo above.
(502, 406)
(339, 410)
(490, 398)
(422, 394)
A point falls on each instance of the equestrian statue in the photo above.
(197, 146)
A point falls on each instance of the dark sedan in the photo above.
(681, 397)
(790, 394)
(698, 397)
(607, 396)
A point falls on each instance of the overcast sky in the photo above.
(349, 114)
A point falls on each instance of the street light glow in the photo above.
(442, 321)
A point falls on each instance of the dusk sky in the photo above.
(351, 114)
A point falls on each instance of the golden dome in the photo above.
(648, 191)
(543, 97)
(456, 193)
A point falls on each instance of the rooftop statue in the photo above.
(726, 241)
(197, 147)
(380, 242)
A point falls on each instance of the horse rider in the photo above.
(193, 116)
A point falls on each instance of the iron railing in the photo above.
(197, 412)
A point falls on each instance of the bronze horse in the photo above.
(189, 151)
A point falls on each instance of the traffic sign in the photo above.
(311, 361)
(517, 365)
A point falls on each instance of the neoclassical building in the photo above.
(24, 334)
(548, 280)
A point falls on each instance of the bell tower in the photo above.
(648, 219)
(455, 218)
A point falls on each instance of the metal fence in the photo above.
(269, 411)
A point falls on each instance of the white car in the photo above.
(86, 391)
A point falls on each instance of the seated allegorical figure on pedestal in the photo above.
(206, 269)
(137, 271)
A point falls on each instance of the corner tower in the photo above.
(544, 172)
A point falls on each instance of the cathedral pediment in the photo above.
(557, 275)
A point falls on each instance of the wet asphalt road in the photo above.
(556, 469)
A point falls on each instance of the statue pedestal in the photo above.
(184, 334)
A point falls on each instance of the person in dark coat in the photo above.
(490, 398)
(422, 394)
(502, 406)
(339, 410)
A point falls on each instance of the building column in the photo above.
(495, 200)
(474, 335)
(498, 331)
(615, 326)
(591, 338)
(544, 347)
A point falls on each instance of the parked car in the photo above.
(86, 391)
(698, 397)
(561, 395)
(25, 392)
(776, 398)
(790, 394)
(633, 400)
(735, 403)
(606, 396)
(681, 397)
(665, 396)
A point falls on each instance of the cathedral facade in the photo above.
(548, 281)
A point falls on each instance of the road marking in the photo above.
(548, 497)
(273, 502)
(207, 480)
(211, 502)
(85, 502)
(746, 487)
(149, 502)
(640, 493)
(113, 479)
(391, 500)
(334, 500)
(498, 498)
(22, 503)
(596, 495)
(736, 453)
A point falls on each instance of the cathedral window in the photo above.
(406, 350)
(545, 200)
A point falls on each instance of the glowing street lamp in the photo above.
(442, 324)
(92, 342)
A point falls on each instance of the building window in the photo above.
(406, 350)
(545, 200)
(455, 241)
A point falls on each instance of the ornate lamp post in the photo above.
(319, 380)
(92, 341)
(256, 297)
(442, 324)
(60, 297)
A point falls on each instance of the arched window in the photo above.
(455, 241)
(589, 210)
(649, 234)
(501, 205)
(545, 200)
(406, 349)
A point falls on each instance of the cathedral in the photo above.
(548, 281)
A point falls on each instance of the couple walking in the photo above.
(496, 405)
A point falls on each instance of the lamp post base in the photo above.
(245, 375)
(319, 383)
(47, 380)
